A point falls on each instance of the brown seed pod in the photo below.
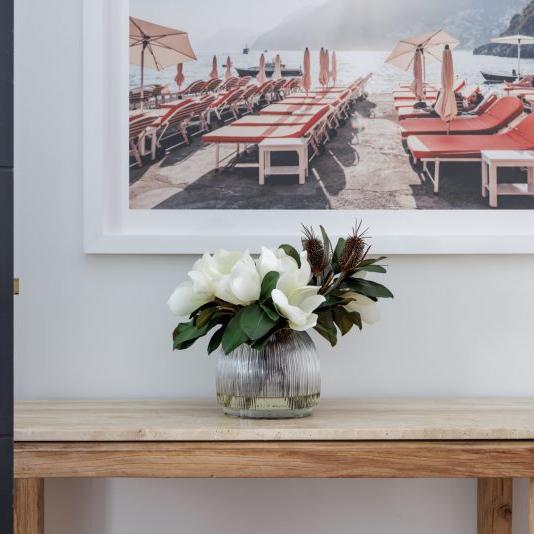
(354, 250)
(317, 256)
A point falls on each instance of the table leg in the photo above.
(484, 179)
(29, 506)
(531, 507)
(494, 506)
(493, 186)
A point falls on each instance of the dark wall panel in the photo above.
(6, 301)
(6, 83)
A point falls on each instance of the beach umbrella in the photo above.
(446, 106)
(261, 77)
(333, 70)
(418, 86)
(214, 73)
(327, 66)
(179, 78)
(228, 73)
(323, 72)
(158, 47)
(431, 45)
(517, 40)
(277, 74)
(306, 71)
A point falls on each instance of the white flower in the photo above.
(366, 307)
(242, 285)
(185, 300)
(295, 300)
(275, 260)
(230, 276)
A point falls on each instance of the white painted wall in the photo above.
(98, 327)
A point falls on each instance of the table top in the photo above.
(519, 156)
(336, 420)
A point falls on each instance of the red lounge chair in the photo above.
(270, 120)
(291, 109)
(194, 88)
(211, 85)
(411, 113)
(252, 135)
(467, 148)
(429, 95)
(499, 115)
(225, 102)
(179, 118)
(229, 84)
(139, 129)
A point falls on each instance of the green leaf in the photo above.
(268, 284)
(326, 327)
(368, 288)
(211, 304)
(185, 334)
(233, 334)
(291, 251)
(331, 301)
(255, 322)
(343, 320)
(326, 240)
(269, 308)
(372, 269)
(371, 261)
(259, 344)
(337, 253)
(216, 340)
(204, 317)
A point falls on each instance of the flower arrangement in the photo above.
(247, 301)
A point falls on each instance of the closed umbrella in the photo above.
(277, 74)
(214, 73)
(261, 77)
(333, 71)
(327, 66)
(323, 74)
(517, 40)
(430, 44)
(157, 47)
(306, 71)
(179, 78)
(446, 106)
(228, 73)
(418, 86)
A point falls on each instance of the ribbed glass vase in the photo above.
(278, 382)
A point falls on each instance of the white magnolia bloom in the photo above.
(185, 300)
(230, 276)
(366, 307)
(242, 285)
(295, 300)
(275, 260)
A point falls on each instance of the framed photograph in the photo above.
(212, 124)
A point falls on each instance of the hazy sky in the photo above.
(203, 19)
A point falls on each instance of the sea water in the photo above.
(351, 65)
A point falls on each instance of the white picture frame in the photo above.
(111, 227)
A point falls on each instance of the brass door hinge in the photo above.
(16, 286)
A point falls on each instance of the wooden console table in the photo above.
(488, 439)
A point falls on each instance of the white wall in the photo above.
(98, 327)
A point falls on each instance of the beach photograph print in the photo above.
(331, 105)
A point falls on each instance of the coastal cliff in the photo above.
(378, 24)
(521, 24)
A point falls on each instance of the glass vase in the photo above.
(280, 381)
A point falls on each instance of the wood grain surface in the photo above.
(295, 459)
(197, 420)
